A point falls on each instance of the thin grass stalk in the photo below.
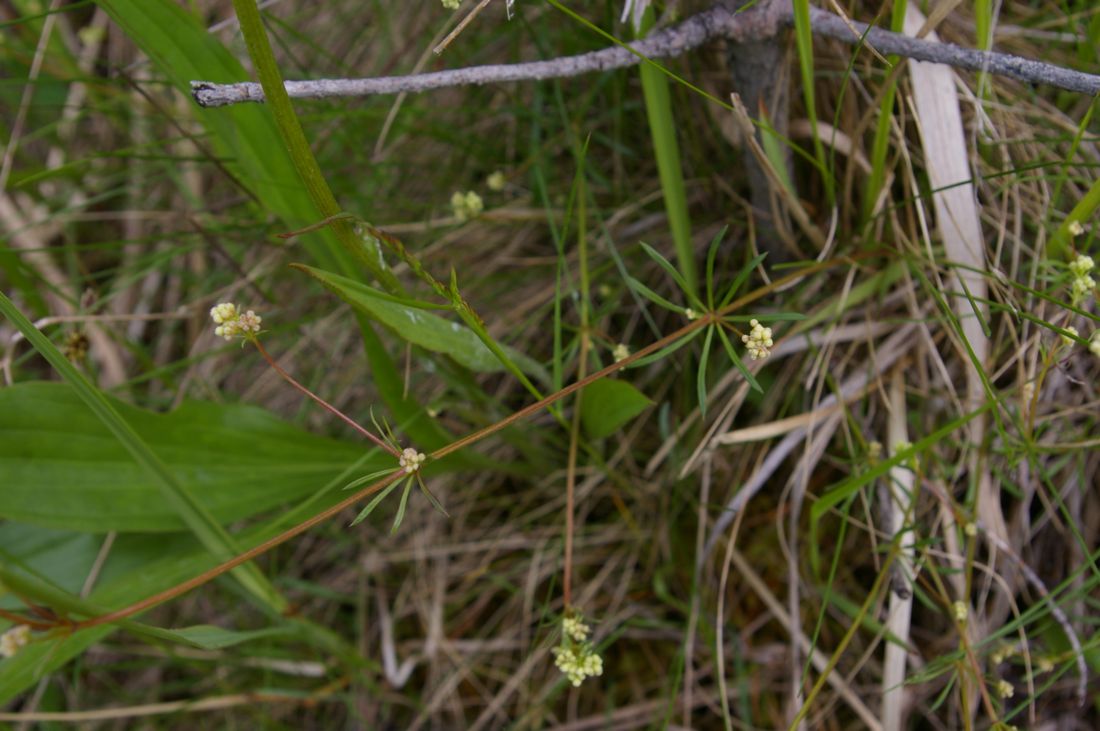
(803, 34)
(881, 144)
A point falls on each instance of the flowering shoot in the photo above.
(231, 322)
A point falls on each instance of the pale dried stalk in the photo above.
(899, 509)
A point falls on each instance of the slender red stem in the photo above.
(325, 404)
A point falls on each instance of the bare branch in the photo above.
(717, 22)
(1001, 64)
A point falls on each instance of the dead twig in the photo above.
(717, 22)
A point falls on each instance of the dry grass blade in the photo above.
(898, 507)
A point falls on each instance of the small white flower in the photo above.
(960, 611)
(410, 460)
(758, 341)
(1044, 664)
(1069, 339)
(691, 314)
(1094, 344)
(1004, 689)
(451, 4)
(14, 640)
(1075, 228)
(970, 529)
(620, 352)
(495, 181)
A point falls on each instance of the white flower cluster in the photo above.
(1083, 283)
(575, 657)
(578, 662)
(758, 341)
(231, 322)
(466, 205)
(1094, 344)
(410, 460)
(451, 4)
(14, 639)
(960, 611)
(620, 352)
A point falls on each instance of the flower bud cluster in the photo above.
(758, 341)
(14, 640)
(466, 205)
(231, 322)
(410, 460)
(1083, 283)
(575, 656)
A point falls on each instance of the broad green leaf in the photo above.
(608, 404)
(138, 566)
(419, 327)
(61, 468)
(128, 441)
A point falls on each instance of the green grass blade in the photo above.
(402, 505)
(841, 492)
(805, 43)
(374, 502)
(662, 127)
(881, 144)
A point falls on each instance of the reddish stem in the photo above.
(324, 404)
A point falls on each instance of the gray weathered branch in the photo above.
(717, 22)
